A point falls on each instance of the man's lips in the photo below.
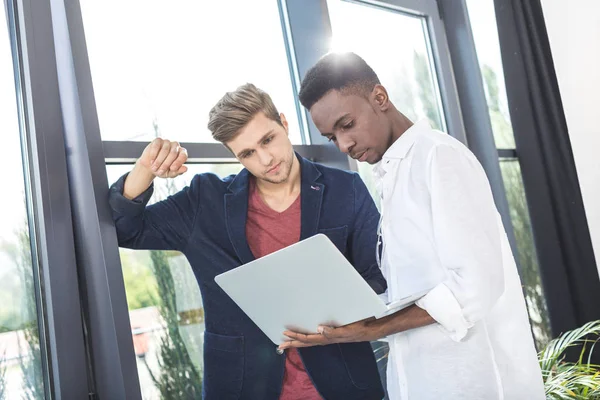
(359, 156)
(273, 169)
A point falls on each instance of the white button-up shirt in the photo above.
(441, 231)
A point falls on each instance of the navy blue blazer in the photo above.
(206, 222)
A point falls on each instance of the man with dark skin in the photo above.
(468, 336)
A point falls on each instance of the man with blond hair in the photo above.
(219, 224)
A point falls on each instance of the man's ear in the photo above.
(284, 123)
(380, 98)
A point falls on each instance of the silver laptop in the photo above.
(301, 287)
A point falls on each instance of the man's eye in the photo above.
(331, 138)
(268, 140)
(348, 125)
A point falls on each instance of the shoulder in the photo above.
(337, 179)
(434, 146)
(210, 183)
(335, 173)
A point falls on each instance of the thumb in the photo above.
(325, 330)
(182, 170)
(174, 174)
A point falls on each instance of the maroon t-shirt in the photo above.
(268, 231)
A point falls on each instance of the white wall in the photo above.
(574, 32)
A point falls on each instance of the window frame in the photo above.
(60, 323)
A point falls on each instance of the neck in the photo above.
(400, 124)
(290, 187)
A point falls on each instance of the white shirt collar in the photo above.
(399, 149)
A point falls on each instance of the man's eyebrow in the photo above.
(337, 123)
(264, 136)
(241, 153)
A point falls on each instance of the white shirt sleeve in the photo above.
(467, 237)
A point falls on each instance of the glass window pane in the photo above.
(165, 306)
(529, 268)
(485, 32)
(407, 72)
(166, 63)
(21, 358)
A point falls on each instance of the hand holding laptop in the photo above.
(302, 287)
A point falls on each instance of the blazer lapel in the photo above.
(236, 213)
(311, 198)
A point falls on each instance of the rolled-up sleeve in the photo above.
(467, 236)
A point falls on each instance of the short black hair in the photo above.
(337, 71)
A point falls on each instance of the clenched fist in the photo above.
(164, 158)
(161, 158)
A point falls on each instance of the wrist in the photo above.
(142, 171)
(138, 181)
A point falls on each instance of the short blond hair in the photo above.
(236, 109)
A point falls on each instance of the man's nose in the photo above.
(265, 157)
(345, 144)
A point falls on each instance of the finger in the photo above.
(297, 343)
(301, 337)
(295, 335)
(151, 151)
(294, 344)
(162, 155)
(171, 157)
(285, 345)
(175, 174)
(327, 331)
(180, 160)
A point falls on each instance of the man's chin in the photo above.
(275, 179)
(373, 160)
